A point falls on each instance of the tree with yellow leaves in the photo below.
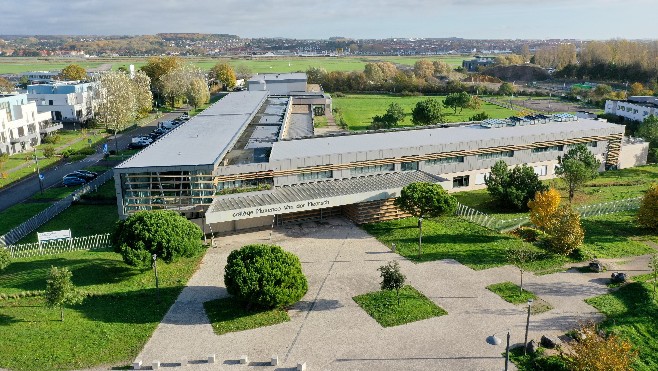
(647, 216)
(565, 231)
(598, 352)
(543, 208)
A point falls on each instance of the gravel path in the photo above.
(329, 331)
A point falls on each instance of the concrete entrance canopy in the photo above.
(313, 196)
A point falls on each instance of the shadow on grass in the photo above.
(7, 320)
(231, 315)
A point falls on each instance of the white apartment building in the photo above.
(68, 101)
(635, 108)
(21, 125)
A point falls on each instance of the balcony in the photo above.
(50, 127)
(25, 138)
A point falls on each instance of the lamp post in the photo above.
(494, 340)
(155, 270)
(36, 160)
(420, 235)
(527, 326)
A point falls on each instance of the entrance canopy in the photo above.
(311, 196)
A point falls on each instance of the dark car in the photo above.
(84, 174)
(71, 180)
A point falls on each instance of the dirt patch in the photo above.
(549, 104)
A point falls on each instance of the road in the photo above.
(26, 188)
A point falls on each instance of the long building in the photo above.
(634, 108)
(239, 164)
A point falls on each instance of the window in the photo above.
(50, 102)
(541, 170)
(488, 156)
(409, 166)
(316, 175)
(445, 160)
(548, 149)
(460, 181)
(593, 144)
(372, 169)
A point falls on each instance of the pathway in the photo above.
(330, 332)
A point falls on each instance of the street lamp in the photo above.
(527, 326)
(494, 340)
(155, 270)
(420, 235)
(39, 176)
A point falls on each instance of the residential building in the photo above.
(634, 108)
(68, 101)
(474, 64)
(21, 125)
(243, 163)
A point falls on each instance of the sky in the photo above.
(360, 19)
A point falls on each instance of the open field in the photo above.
(358, 110)
(109, 327)
(554, 104)
(257, 65)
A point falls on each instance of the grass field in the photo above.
(358, 110)
(631, 313)
(110, 327)
(383, 306)
(256, 65)
(229, 315)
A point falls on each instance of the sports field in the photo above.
(358, 110)
(256, 65)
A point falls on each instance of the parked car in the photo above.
(138, 144)
(184, 116)
(142, 138)
(86, 175)
(70, 180)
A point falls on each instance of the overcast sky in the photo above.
(308, 19)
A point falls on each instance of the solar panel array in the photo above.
(527, 120)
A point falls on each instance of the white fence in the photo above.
(93, 242)
(585, 211)
(38, 220)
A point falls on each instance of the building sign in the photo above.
(281, 209)
(54, 235)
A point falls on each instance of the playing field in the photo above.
(256, 65)
(358, 110)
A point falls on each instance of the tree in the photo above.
(176, 83)
(576, 167)
(73, 72)
(392, 278)
(520, 257)
(441, 68)
(595, 351)
(394, 114)
(479, 116)
(6, 86)
(427, 112)
(264, 276)
(565, 231)
(60, 290)
(649, 131)
(224, 73)
(4, 157)
(506, 89)
(513, 188)
(142, 95)
(428, 200)
(243, 71)
(457, 100)
(156, 67)
(543, 207)
(115, 105)
(197, 92)
(162, 232)
(48, 151)
(423, 68)
(5, 258)
(315, 75)
(647, 215)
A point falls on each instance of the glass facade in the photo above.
(372, 169)
(445, 160)
(488, 156)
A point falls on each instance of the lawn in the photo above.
(358, 110)
(81, 219)
(511, 293)
(384, 308)
(229, 315)
(17, 214)
(110, 327)
(631, 313)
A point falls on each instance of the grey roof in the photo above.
(324, 189)
(296, 76)
(205, 138)
(425, 137)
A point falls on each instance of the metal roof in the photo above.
(205, 138)
(271, 77)
(319, 190)
(374, 141)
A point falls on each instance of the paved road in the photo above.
(19, 192)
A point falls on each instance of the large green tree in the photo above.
(427, 200)
(506, 89)
(649, 131)
(576, 167)
(264, 276)
(513, 188)
(156, 67)
(73, 72)
(162, 232)
(427, 112)
(224, 74)
(457, 101)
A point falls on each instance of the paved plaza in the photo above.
(329, 331)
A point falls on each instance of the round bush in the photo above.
(161, 232)
(265, 276)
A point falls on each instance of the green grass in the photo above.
(82, 219)
(13, 217)
(320, 121)
(631, 313)
(614, 236)
(384, 308)
(229, 315)
(110, 327)
(511, 293)
(358, 110)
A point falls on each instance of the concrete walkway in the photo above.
(329, 331)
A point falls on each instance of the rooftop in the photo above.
(373, 141)
(279, 76)
(205, 138)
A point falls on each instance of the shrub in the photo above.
(479, 117)
(66, 153)
(264, 276)
(543, 207)
(161, 232)
(392, 278)
(48, 151)
(86, 151)
(647, 216)
(528, 234)
(51, 139)
(595, 351)
(566, 233)
(5, 258)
